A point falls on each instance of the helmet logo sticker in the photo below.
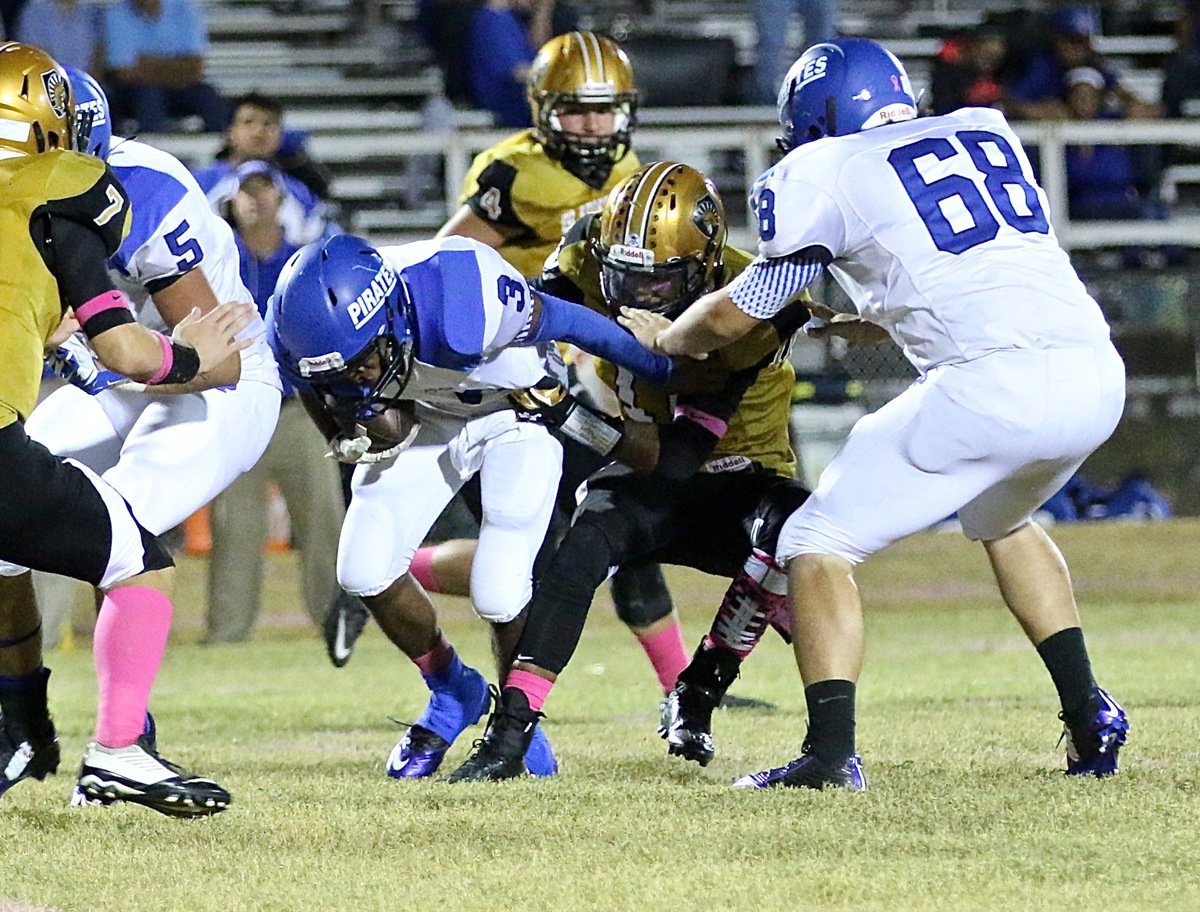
(896, 83)
(864, 95)
(813, 70)
(367, 304)
(706, 218)
(633, 256)
(321, 364)
(57, 92)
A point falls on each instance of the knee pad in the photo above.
(640, 595)
(498, 606)
(773, 510)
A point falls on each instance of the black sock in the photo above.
(831, 720)
(1067, 661)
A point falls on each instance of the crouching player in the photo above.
(62, 214)
(406, 358)
(717, 461)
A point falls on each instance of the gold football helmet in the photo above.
(37, 112)
(661, 242)
(577, 73)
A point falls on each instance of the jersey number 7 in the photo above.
(999, 176)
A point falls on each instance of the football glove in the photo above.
(560, 411)
(357, 449)
(76, 363)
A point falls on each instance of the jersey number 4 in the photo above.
(998, 175)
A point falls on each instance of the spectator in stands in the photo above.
(155, 58)
(293, 460)
(968, 71)
(68, 30)
(10, 14)
(1040, 91)
(256, 133)
(502, 39)
(1181, 80)
(773, 55)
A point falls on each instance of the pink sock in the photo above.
(437, 659)
(667, 654)
(535, 688)
(130, 639)
(422, 569)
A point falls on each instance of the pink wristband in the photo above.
(710, 423)
(109, 300)
(168, 360)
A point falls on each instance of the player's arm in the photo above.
(488, 214)
(177, 298)
(763, 289)
(76, 255)
(555, 320)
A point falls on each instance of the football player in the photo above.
(406, 358)
(718, 462)
(938, 231)
(62, 214)
(520, 197)
(167, 455)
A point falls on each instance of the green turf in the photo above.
(957, 728)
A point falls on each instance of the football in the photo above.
(387, 429)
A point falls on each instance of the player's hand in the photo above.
(690, 376)
(826, 323)
(212, 334)
(68, 327)
(645, 325)
(76, 363)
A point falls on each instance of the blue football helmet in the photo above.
(338, 303)
(93, 121)
(840, 87)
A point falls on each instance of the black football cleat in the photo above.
(344, 624)
(28, 743)
(139, 776)
(810, 772)
(686, 718)
(1094, 739)
(500, 753)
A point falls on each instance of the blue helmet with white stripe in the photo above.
(93, 120)
(339, 305)
(841, 87)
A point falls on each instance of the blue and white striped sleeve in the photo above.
(769, 283)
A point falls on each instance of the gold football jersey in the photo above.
(55, 184)
(515, 184)
(758, 430)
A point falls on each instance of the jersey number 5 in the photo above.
(999, 175)
(189, 251)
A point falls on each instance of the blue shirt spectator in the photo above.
(68, 30)
(155, 51)
(499, 52)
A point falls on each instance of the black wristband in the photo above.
(185, 365)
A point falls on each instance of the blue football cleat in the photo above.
(459, 698)
(539, 759)
(807, 771)
(1092, 746)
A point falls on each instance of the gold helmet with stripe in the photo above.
(581, 73)
(37, 112)
(661, 242)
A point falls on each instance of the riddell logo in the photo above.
(366, 305)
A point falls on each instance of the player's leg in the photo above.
(28, 743)
(63, 518)
(235, 566)
(518, 480)
(755, 600)
(392, 506)
(618, 521)
(643, 603)
(903, 468)
(1031, 573)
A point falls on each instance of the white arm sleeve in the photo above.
(766, 286)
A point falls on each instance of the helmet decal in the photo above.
(58, 92)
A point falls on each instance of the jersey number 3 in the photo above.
(999, 176)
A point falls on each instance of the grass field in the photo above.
(957, 729)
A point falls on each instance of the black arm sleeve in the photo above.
(685, 444)
(77, 258)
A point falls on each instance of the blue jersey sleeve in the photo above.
(562, 321)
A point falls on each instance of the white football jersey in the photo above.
(937, 231)
(173, 231)
(471, 307)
